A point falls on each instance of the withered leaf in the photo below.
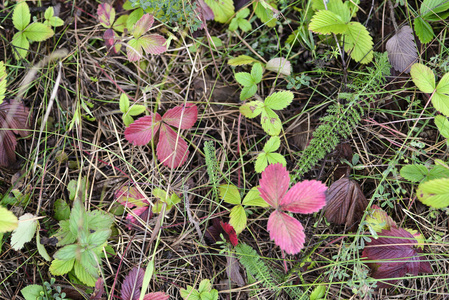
(401, 50)
(233, 270)
(345, 202)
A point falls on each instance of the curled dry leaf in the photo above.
(345, 202)
(401, 49)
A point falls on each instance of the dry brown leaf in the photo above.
(345, 202)
(233, 270)
(401, 50)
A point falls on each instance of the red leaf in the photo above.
(286, 231)
(305, 197)
(232, 235)
(110, 37)
(274, 184)
(394, 255)
(132, 284)
(143, 129)
(153, 44)
(99, 290)
(156, 296)
(182, 117)
(172, 149)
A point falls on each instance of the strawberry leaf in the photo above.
(270, 121)
(378, 219)
(106, 15)
(156, 296)
(21, 16)
(423, 78)
(38, 32)
(134, 50)
(286, 231)
(305, 197)
(8, 221)
(131, 284)
(130, 196)
(230, 194)
(253, 198)
(256, 73)
(21, 45)
(2, 81)
(124, 103)
(434, 193)
(359, 42)
(279, 100)
(231, 234)
(238, 218)
(244, 78)
(142, 131)
(326, 22)
(182, 117)
(143, 25)
(274, 184)
(172, 149)
(251, 109)
(153, 44)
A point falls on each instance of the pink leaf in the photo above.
(305, 197)
(106, 14)
(143, 129)
(156, 296)
(110, 37)
(205, 10)
(153, 44)
(274, 184)
(143, 25)
(230, 231)
(141, 212)
(132, 284)
(286, 231)
(172, 150)
(183, 117)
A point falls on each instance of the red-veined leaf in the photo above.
(274, 184)
(132, 284)
(106, 14)
(143, 25)
(183, 117)
(305, 197)
(142, 131)
(172, 149)
(153, 43)
(286, 231)
(156, 296)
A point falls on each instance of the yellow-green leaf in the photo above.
(238, 218)
(359, 42)
(230, 194)
(21, 16)
(423, 78)
(8, 221)
(38, 32)
(253, 198)
(223, 9)
(434, 193)
(241, 60)
(21, 45)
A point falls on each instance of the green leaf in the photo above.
(434, 193)
(443, 125)
(24, 232)
(50, 12)
(38, 32)
(21, 45)
(205, 286)
(265, 14)
(359, 42)
(318, 293)
(253, 198)
(244, 25)
(21, 16)
(337, 7)
(68, 252)
(147, 278)
(272, 144)
(441, 103)
(241, 60)
(434, 10)
(423, 78)
(98, 238)
(414, 173)
(326, 22)
(279, 100)
(51, 20)
(136, 110)
(40, 248)
(8, 221)
(261, 162)
(190, 293)
(230, 194)
(222, 9)
(2, 81)
(62, 210)
(127, 119)
(89, 261)
(256, 73)
(64, 235)
(438, 172)
(270, 121)
(77, 220)
(99, 220)
(244, 78)
(243, 13)
(423, 30)
(83, 275)
(234, 24)
(238, 218)
(251, 109)
(32, 291)
(124, 103)
(248, 92)
(61, 267)
(120, 24)
(133, 18)
(443, 85)
(274, 158)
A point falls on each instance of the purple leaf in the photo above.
(132, 284)
(401, 48)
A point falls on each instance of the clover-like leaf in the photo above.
(21, 16)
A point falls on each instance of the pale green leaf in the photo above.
(265, 14)
(230, 194)
(326, 22)
(438, 171)
(124, 103)
(127, 119)
(238, 218)
(67, 252)
(257, 72)
(243, 13)
(244, 25)
(21, 45)
(38, 32)
(274, 158)
(32, 291)
(24, 232)
(434, 193)
(318, 293)
(61, 267)
(253, 198)
(41, 248)
(261, 162)
(8, 221)
(423, 78)
(414, 173)
(99, 237)
(223, 9)
(244, 78)
(337, 7)
(147, 278)
(205, 286)
(279, 100)
(248, 92)
(423, 30)
(120, 24)
(234, 24)
(441, 103)
(2, 82)
(160, 194)
(133, 18)
(241, 60)
(89, 261)
(190, 293)
(270, 121)
(54, 22)
(82, 274)
(279, 65)
(21, 16)
(251, 109)
(49, 12)
(136, 110)
(272, 144)
(443, 85)
(134, 50)
(443, 125)
(359, 42)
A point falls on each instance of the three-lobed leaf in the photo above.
(106, 14)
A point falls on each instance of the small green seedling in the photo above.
(249, 81)
(204, 292)
(28, 33)
(269, 119)
(230, 194)
(240, 21)
(268, 156)
(164, 198)
(129, 111)
(50, 19)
